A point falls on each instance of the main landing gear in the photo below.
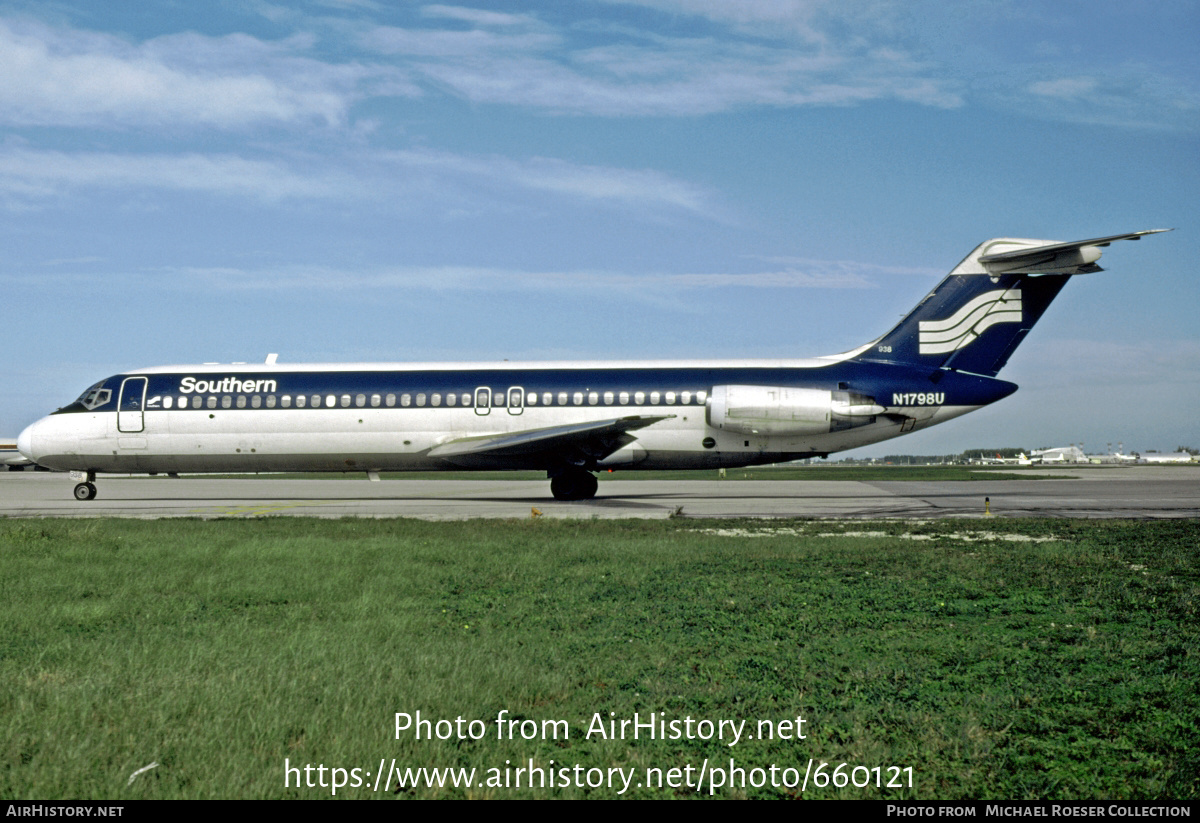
(574, 484)
(87, 489)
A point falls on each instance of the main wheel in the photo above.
(574, 485)
(85, 491)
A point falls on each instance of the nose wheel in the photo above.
(85, 491)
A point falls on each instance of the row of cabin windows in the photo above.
(330, 401)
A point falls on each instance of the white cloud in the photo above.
(646, 287)
(606, 71)
(27, 175)
(1127, 97)
(68, 77)
(1064, 87)
(476, 16)
(589, 183)
(772, 17)
(692, 79)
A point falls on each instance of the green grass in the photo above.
(1066, 668)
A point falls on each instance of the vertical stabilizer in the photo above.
(979, 314)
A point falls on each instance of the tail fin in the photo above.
(978, 315)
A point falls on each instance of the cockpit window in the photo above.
(95, 396)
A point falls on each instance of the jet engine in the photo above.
(780, 410)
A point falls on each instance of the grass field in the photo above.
(997, 659)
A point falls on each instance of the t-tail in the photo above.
(975, 318)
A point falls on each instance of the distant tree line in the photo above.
(1006, 452)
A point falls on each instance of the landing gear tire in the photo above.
(85, 491)
(574, 485)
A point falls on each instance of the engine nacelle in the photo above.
(779, 410)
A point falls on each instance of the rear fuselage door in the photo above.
(131, 403)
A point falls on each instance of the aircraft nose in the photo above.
(25, 442)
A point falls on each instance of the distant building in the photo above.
(1062, 454)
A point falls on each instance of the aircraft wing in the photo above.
(576, 442)
(1077, 257)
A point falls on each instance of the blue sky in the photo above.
(184, 182)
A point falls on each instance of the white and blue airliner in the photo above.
(571, 419)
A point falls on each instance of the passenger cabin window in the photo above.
(547, 399)
(226, 401)
(562, 398)
(256, 401)
(316, 401)
(300, 401)
(639, 398)
(421, 399)
(435, 399)
(167, 401)
(670, 398)
(360, 400)
(608, 398)
(653, 398)
(623, 398)
(451, 399)
(406, 400)
(685, 397)
(391, 400)
(241, 401)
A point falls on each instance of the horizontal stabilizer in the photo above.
(1078, 257)
(597, 439)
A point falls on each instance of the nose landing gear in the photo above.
(87, 489)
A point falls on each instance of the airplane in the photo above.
(572, 419)
(10, 457)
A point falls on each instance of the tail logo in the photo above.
(960, 329)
